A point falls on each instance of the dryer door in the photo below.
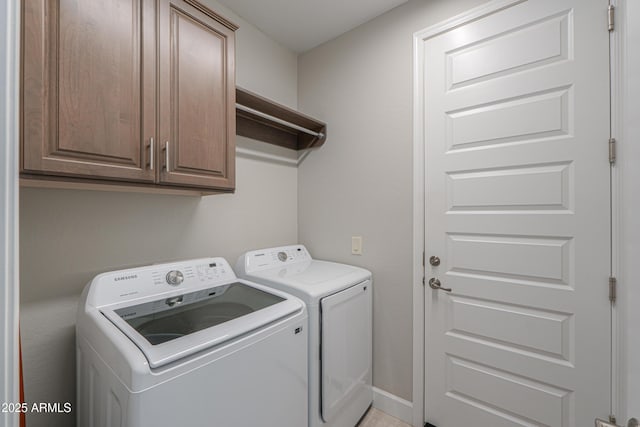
(346, 349)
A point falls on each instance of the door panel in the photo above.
(197, 95)
(346, 348)
(93, 114)
(83, 70)
(516, 124)
(534, 402)
(208, 112)
(485, 59)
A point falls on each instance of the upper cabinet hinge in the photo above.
(613, 282)
(610, 14)
(612, 150)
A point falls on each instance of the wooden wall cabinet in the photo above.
(134, 91)
(197, 96)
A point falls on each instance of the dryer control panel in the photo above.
(263, 259)
(135, 283)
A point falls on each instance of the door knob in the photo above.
(434, 261)
(435, 284)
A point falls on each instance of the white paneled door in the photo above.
(516, 129)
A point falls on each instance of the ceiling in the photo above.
(301, 25)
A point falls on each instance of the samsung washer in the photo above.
(188, 344)
(339, 301)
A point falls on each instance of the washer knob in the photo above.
(282, 256)
(175, 277)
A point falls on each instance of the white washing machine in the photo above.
(188, 344)
(339, 301)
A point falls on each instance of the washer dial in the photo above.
(175, 277)
(282, 256)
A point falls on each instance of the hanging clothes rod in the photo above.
(253, 154)
(279, 121)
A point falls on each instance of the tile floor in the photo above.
(376, 418)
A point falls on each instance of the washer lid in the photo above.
(169, 328)
(312, 279)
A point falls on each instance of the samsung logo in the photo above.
(129, 277)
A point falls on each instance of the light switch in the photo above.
(356, 245)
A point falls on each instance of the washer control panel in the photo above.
(156, 279)
(275, 257)
(215, 271)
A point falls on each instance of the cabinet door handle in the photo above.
(166, 148)
(151, 153)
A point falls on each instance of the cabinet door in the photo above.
(89, 71)
(197, 97)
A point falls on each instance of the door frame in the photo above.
(625, 89)
(9, 131)
(622, 199)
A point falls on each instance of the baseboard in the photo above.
(393, 405)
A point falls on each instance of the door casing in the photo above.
(9, 125)
(625, 92)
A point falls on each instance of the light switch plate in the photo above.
(356, 245)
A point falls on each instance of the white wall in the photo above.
(9, 48)
(360, 181)
(68, 236)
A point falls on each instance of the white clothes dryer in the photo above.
(339, 302)
(188, 344)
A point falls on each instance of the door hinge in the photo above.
(612, 151)
(423, 280)
(613, 283)
(610, 14)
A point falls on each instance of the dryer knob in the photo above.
(175, 277)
